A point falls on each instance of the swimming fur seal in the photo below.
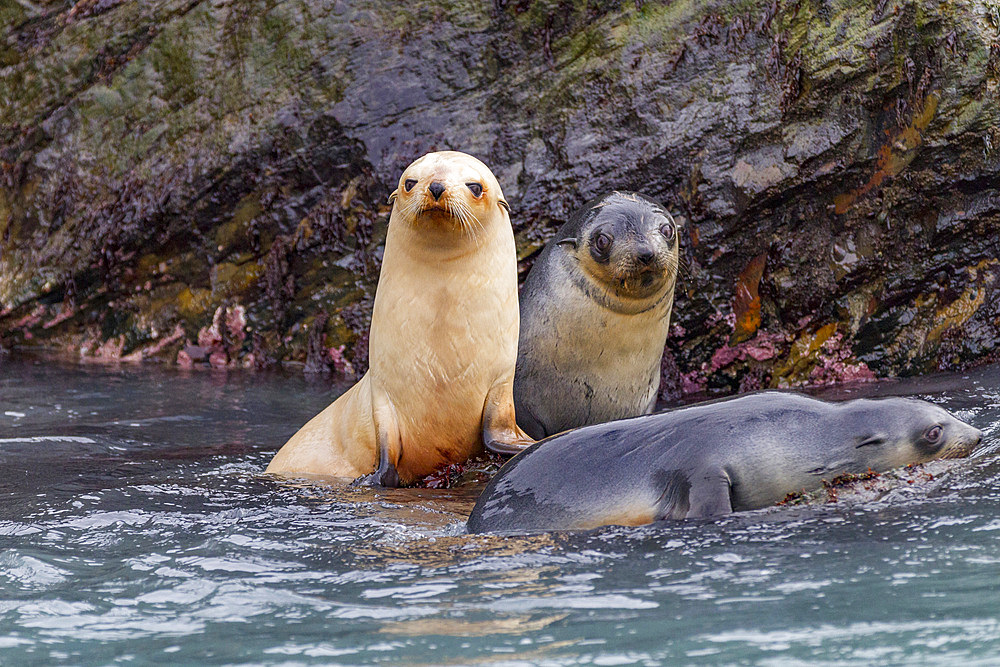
(711, 459)
(595, 310)
(443, 338)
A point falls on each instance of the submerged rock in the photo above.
(917, 480)
(835, 164)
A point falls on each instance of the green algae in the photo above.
(189, 155)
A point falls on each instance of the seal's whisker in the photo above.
(460, 216)
(473, 218)
(463, 214)
(467, 218)
(680, 265)
(455, 215)
(474, 229)
(479, 223)
(412, 207)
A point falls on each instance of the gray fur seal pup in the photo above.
(443, 338)
(710, 459)
(595, 310)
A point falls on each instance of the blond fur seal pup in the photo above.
(711, 459)
(595, 310)
(443, 338)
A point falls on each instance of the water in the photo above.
(136, 527)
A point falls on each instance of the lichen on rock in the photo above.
(163, 160)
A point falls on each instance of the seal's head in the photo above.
(450, 189)
(909, 431)
(627, 244)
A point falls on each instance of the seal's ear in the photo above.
(569, 242)
(392, 197)
(503, 203)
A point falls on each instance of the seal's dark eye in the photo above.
(475, 188)
(600, 246)
(933, 434)
(409, 183)
(668, 231)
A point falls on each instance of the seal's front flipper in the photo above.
(385, 475)
(710, 494)
(674, 490)
(529, 423)
(388, 443)
(501, 434)
(508, 448)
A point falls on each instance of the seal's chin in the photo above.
(438, 208)
(962, 448)
(451, 211)
(957, 452)
(640, 284)
(437, 215)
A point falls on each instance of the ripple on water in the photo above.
(902, 636)
(39, 439)
(28, 572)
(139, 525)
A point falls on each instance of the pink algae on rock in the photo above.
(761, 347)
(835, 364)
(220, 343)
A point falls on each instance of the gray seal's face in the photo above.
(628, 245)
(902, 431)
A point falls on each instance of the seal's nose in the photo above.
(645, 255)
(979, 438)
(436, 189)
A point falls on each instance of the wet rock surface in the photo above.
(205, 182)
(896, 485)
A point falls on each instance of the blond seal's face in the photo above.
(449, 188)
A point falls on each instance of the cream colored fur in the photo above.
(443, 336)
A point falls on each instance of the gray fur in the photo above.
(710, 459)
(591, 342)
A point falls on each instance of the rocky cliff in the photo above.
(205, 181)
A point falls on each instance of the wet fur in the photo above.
(709, 460)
